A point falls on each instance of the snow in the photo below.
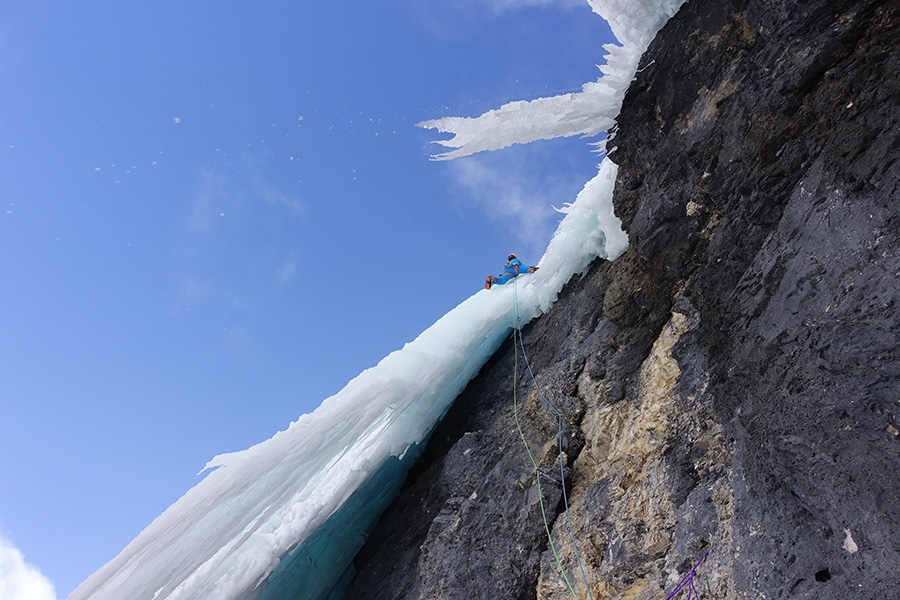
(296, 507)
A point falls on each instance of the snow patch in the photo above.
(849, 545)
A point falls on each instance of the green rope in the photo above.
(537, 471)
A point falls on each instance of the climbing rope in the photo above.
(687, 582)
(517, 337)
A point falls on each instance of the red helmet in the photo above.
(511, 256)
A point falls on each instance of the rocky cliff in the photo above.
(728, 388)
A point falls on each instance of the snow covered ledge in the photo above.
(587, 113)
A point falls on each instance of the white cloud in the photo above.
(513, 193)
(18, 579)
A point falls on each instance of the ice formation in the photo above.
(586, 113)
(289, 513)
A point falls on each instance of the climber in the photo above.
(513, 268)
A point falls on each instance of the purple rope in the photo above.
(688, 582)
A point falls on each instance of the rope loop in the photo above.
(688, 582)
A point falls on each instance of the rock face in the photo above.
(731, 384)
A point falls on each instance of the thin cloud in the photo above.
(449, 20)
(511, 194)
(260, 187)
(20, 580)
(496, 7)
(236, 205)
(500, 6)
(238, 191)
(192, 291)
(286, 271)
(212, 201)
(273, 196)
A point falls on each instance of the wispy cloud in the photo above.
(20, 580)
(263, 188)
(500, 6)
(241, 189)
(452, 19)
(286, 271)
(515, 192)
(212, 200)
(192, 291)
(495, 7)
(235, 206)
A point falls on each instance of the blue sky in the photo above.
(214, 215)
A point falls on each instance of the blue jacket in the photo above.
(516, 267)
(512, 267)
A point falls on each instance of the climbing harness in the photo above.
(688, 582)
(517, 337)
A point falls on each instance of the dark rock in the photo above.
(732, 383)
